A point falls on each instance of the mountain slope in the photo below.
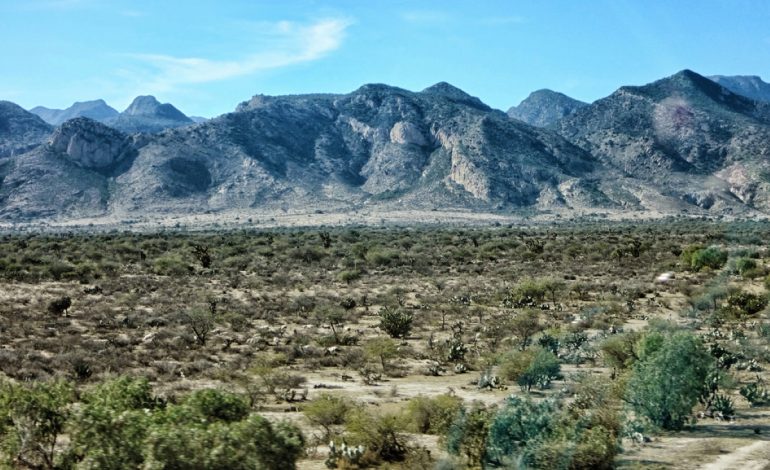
(680, 144)
(378, 144)
(543, 108)
(685, 134)
(97, 110)
(68, 175)
(749, 86)
(146, 114)
(20, 130)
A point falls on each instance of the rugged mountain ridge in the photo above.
(694, 139)
(543, 108)
(97, 110)
(680, 144)
(378, 144)
(749, 86)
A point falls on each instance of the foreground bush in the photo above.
(669, 378)
(543, 435)
(120, 424)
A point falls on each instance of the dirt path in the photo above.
(755, 456)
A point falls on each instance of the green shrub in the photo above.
(171, 265)
(755, 393)
(669, 378)
(517, 424)
(326, 411)
(531, 367)
(380, 434)
(32, 419)
(349, 275)
(468, 434)
(379, 257)
(745, 265)
(711, 257)
(745, 303)
(121, 425)
(432, 415)
(396, 322)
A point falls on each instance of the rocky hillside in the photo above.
(750, 86)
(378, 145)
(681, 144)
(20, 130)
(543, 108)
(685, 135)
(66, 177)
(146, 114)
(97, 110)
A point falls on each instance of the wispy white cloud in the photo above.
(292, 44)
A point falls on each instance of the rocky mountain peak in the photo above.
(97, 110)
(455, 94)
(20, 130)
(150, 106)
(544, 107)
(147, 115)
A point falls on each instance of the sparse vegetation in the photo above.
(433, 333)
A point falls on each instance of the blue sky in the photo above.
(207, 56)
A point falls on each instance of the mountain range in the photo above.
(683, 144)
(144, 114)
(749, 86)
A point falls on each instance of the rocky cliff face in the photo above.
(97, 110)
(543, 108)
(89, 144)
(20, 130)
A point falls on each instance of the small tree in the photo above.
(327, 411)
(201, 322)
(524, 326)
(531, 367)
(332, 316)
(381, 350)
(554, 287)
(201, 253)
(396, 322)
(669, 379)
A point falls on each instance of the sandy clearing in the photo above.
(755, 456)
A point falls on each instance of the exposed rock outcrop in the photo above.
(89, 144)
